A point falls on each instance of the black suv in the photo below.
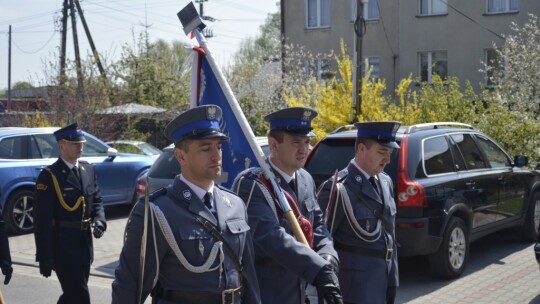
(452, 184)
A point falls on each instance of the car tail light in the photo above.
(409, 193)
(140, 189)
(410, 225)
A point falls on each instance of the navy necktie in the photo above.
(373, 183)
(208, 200)
(292, 184)
(208, 203)
(76, 172)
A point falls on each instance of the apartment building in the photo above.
(409, 37)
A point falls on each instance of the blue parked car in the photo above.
(24, 152)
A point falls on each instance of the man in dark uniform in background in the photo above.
(67, 204)
(199, 247)
(362, 217)
(284, 265)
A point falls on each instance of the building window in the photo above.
(318, 68)
(318, 13)
(495, 66)
(371, 10)
(433, 7)
(502, 6)
(373, 64)
(433, 63)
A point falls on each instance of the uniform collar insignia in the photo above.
(187, 194)
(358, 179)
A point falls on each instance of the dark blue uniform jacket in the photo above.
(60, 244)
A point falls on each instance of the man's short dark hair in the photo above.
(279, 135)
(184, 144)
(368, 142)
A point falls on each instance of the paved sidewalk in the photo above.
(106, 249)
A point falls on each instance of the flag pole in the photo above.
(248, 133)
(142, 257)
(192, 23)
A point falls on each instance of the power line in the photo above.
(473, 20)
(20, 19)
(241, 20)
(36, 51)
(384, 29)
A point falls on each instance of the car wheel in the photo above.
(18, 212)
(450, 260)
(529, 231)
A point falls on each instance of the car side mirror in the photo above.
(538, 168)
(112, 153)
(520, 161)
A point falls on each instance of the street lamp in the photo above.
(359, 27)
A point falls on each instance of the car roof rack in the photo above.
(437, 125)
(343, 129)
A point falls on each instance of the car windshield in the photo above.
(149, 149)
(329, 156)
(92, 147)
(335, 154)
(166, 166)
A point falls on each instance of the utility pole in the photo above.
(71, 7)
(201, 7)
(208, 33)
(359, 29)
(80, 84)
(90, 40)
(9, 71)
(63, 46)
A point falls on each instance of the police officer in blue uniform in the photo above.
(67, 205)
(284, 265)
(199, 246)
(361, 216)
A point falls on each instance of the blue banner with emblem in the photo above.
(237, 154)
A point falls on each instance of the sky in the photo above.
(36, 30)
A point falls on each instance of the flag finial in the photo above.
(190, 19)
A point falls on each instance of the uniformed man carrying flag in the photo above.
(199, 247)
(284, 265)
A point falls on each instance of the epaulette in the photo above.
(225, 189)
(342, 175)
(250, 173)
(155, 194)
(340, 178)
(385, 173)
